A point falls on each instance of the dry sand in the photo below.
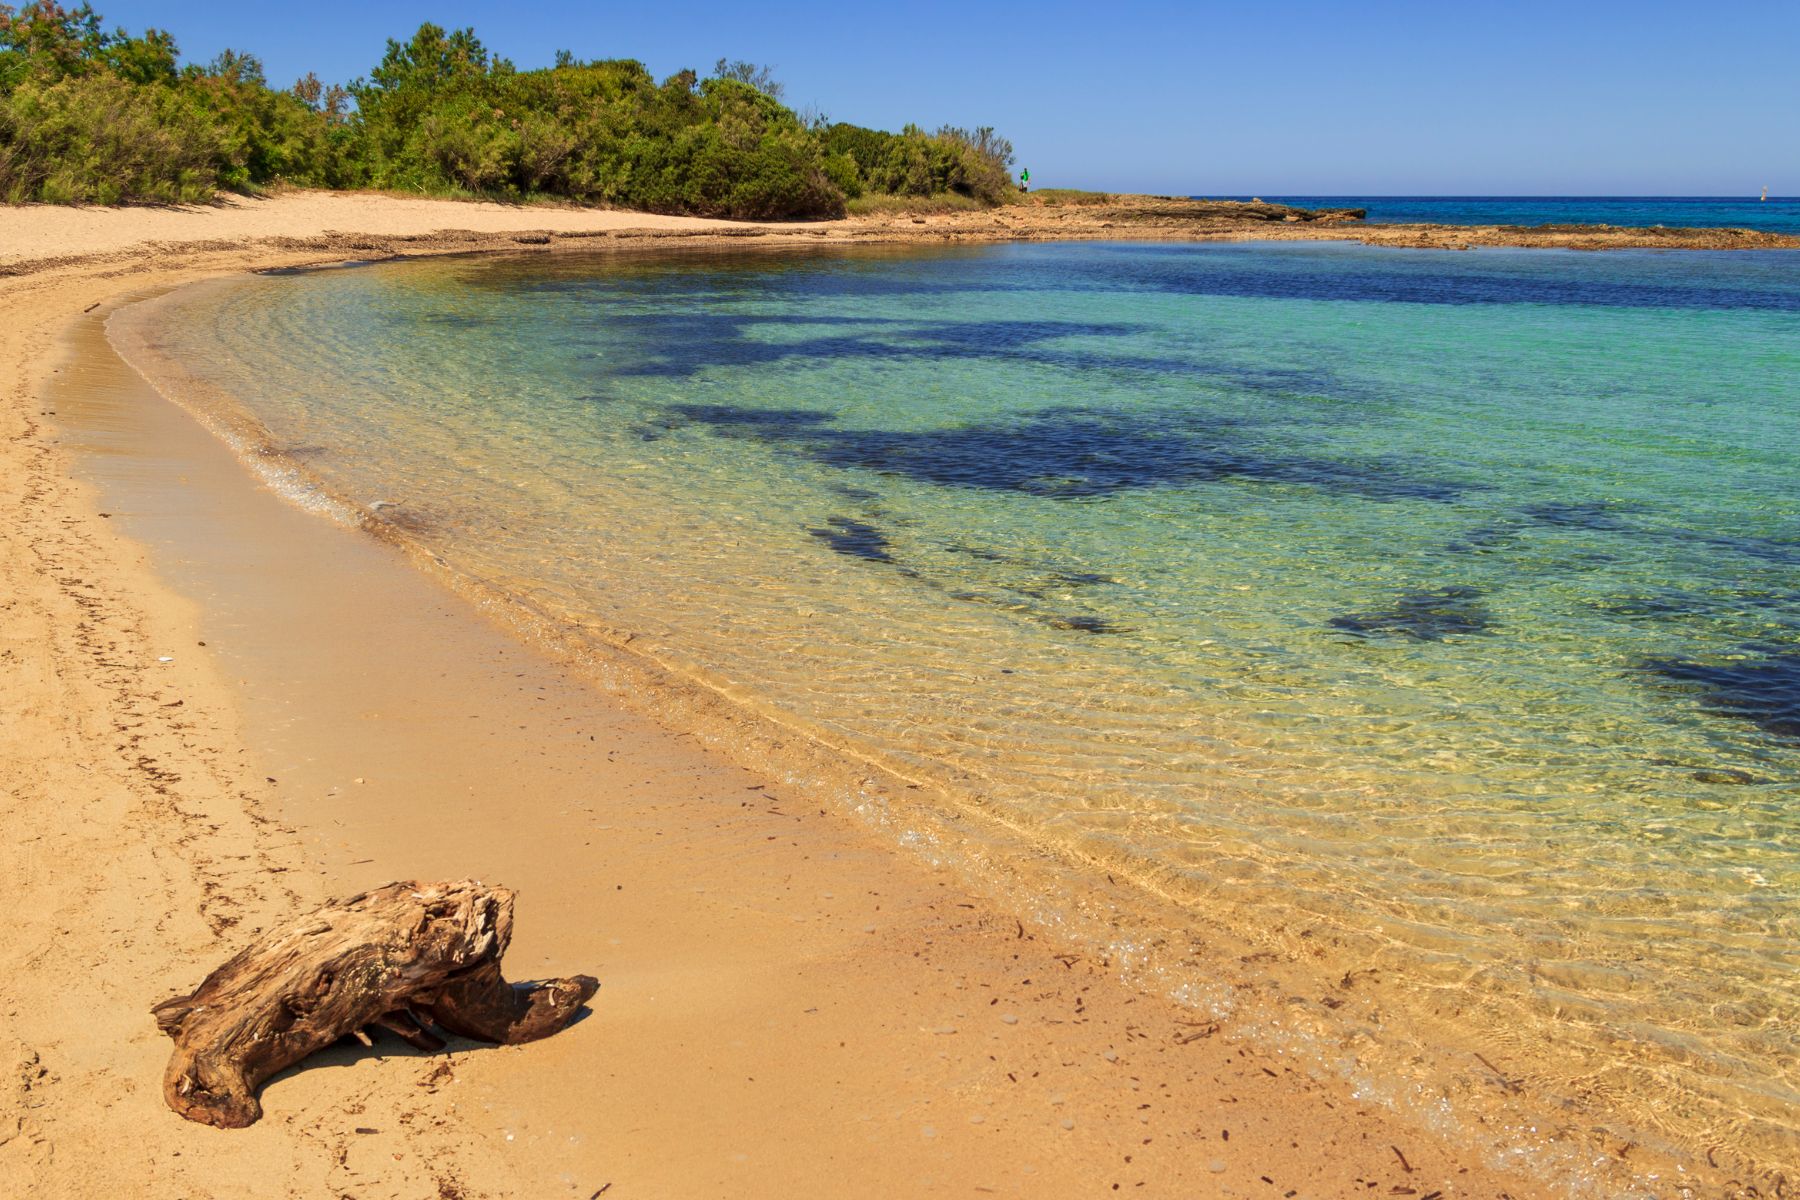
(219, 710)
(57, 232)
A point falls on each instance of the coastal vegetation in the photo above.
(1075, 196)
(92, 116)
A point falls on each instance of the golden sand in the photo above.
(220, 710)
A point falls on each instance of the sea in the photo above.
(1417, 633)
(1777, 214)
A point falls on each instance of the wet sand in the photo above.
(791, 1005)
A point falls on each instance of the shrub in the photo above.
(87, 115)
(272, 136)
(96, 139)
(440, 113)
(915, 163)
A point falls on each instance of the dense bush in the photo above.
(915, 163)
(88, 116)
(91, 116)
(441, 113)
(98, 139)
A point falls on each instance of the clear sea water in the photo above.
(1423, 628)
(1778, 214)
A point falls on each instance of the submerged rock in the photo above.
(1425, 616)
(1759, 684)
(855, 538)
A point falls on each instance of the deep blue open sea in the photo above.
(1778, 214)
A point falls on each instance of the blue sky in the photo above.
(1646, 98)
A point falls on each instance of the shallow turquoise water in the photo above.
(1434, 616)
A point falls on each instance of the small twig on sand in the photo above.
(1511, 1085)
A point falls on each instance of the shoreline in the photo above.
(223, 721)
(42, 238)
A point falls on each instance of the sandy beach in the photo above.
(222, 710)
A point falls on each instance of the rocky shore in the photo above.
(1099, 216)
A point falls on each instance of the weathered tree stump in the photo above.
(394, 958)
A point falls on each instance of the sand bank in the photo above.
(221, 709)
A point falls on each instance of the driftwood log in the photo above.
(396, 958)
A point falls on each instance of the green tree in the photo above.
(759, 77)
(87, 115)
